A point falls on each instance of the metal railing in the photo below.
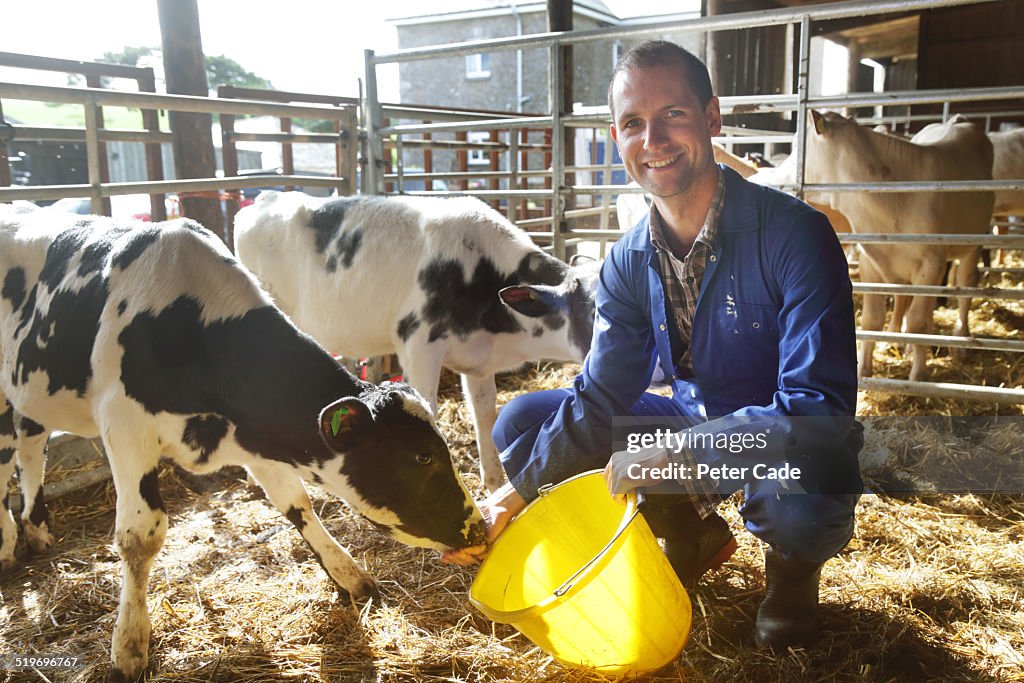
(92, 99)
(801, 101)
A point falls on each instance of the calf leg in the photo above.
(8, 447)
(872, 315)
(32, 462)
(966, 276)
(140, 529)
(482, 396)
(899, 311)
(921, 314)
(285, 490)
(422, 369)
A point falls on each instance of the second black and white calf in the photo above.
(441, 282)
(156, 339)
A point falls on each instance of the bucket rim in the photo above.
(590, 569)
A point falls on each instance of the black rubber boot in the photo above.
(788, 614)
(693, 545)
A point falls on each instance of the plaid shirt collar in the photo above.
(708, 234)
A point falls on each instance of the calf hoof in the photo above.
(365, 591)
(115, 675)
(38, 537)
(7, 564)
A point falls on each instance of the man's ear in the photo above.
(614, 132)
(341, 421)
(714, 116)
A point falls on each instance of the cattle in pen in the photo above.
(841, 151)
(440, 282)
(156, 339)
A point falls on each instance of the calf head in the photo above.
(565, 310)
(396, 469)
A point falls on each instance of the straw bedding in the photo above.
(930, 587)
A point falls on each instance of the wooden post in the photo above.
(5, 168)
(154, 154)
(560, 14)
(185, 74)
(229, 157)
(494, 166)
(93, 81)
(462, 159)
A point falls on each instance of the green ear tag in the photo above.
(336, 419)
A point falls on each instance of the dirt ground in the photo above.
(930, 587)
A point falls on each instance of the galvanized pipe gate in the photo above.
(801, 101)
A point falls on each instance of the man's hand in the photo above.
(498, 510)
(627, 471)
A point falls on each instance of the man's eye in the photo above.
(675, 112)
(632, 123)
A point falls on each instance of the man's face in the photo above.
(662, 132)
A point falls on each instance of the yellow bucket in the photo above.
(584, 578)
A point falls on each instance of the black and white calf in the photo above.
(155, 338)
(441, 282)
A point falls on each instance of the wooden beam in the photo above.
(185, 74)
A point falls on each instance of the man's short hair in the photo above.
(653, 53)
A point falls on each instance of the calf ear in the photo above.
(341, 421)
(818, 119)
(534, 301)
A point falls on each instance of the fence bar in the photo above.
(477, 124)
(558, 150)
(163, 186)
(139, 100)
(935, 290)
(1003, 241)
(372, 117)
(919, 186)
(942, 390)
(978, 343)
(481, 194)
(65, 134)
(316, 138)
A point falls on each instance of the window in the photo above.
(478, 157)
(616, 53)
(478, 66)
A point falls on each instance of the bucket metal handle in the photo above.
(640, 502)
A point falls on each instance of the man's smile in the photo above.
(662, 163)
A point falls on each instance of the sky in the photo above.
(315, 46)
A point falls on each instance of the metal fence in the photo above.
(95, 135)
(562, 190)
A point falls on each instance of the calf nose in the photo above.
(478, 533)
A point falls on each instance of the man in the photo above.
(741, 293)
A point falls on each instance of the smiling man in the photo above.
(741, 294)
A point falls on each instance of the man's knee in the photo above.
(811, 527)
(522, 413)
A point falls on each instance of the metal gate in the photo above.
(561, 191)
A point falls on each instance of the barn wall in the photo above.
(972, 46)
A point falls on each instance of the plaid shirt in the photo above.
(681, 280)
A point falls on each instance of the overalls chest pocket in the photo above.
(743, 341)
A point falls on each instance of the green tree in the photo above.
(220, 69)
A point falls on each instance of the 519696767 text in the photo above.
(28, 662)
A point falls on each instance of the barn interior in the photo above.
(928, 589)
